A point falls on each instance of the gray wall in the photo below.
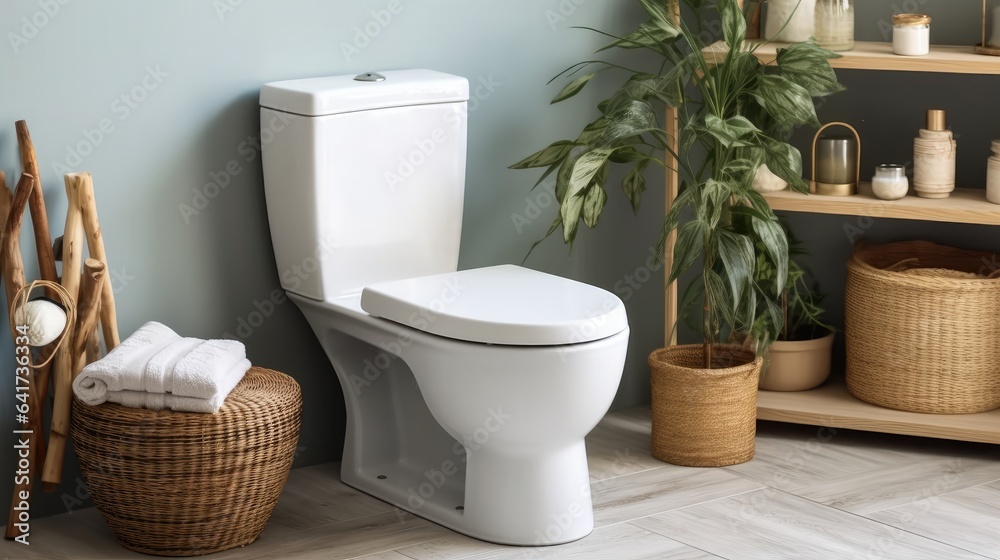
(197, 114)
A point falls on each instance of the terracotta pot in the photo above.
(704, 417)
(798, 365)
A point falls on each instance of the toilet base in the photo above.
(522, 500)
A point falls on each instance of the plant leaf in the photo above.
(734, 26)
(649, 35)
(690, 245)
(789, 103)
(631, 119)
(807, 65)
(660, 16)
(737, 255)
(634, 185)
(573, 88)
(785, 161)
(550, 155)
(731, 131)
(775, 242)
(593, 204)
(571, 204)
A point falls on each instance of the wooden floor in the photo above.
(809, 493)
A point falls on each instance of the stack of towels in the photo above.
(158, 369)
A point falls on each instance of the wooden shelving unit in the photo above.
(832, 405)
(966, 206)
(868, 55)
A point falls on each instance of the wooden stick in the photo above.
(13, 277)
(64, 362)
(93, 346)
(95, 245)
(13, 270)
(39, 219)
(6, 198)
(86, 310)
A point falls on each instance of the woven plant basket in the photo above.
(923, 340)
(185, 484)
(704, 417)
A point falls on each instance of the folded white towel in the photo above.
(156, 368)
(160, 401)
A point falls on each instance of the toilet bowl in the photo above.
(468, 393)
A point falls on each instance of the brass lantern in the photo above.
(991, 28)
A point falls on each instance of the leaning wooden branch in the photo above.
(95, 245)
(86, 308)
(13, 279)
(72, 256)
(39, 219)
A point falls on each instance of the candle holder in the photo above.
(990, 44)
(837, 170)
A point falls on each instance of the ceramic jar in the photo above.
(911, 34)
(934, 158)
(993, 175)
(834, 23)
(890, 182)
(799, 17)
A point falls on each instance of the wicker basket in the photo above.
(927, 341)
(704, 417)
(186, 484)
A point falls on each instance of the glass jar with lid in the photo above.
(911, 34)
(834, 24)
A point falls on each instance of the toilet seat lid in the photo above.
(503, 304)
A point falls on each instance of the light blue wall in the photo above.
(190, 73)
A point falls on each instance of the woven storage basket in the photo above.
(925, 341)
(704, 417)
(186, 484)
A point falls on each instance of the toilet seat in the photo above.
(503, 304)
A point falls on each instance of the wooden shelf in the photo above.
(869, 55)
(963, 206)
(831, 405)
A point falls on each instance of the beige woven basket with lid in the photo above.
(704, 417)
(186, 484)
(923, 340)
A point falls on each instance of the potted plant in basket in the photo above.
(800, 357)
(733, 113)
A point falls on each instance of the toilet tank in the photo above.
(364, 178)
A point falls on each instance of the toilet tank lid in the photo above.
(346, 94)
(503, 304)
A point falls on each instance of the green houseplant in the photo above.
(734, 113)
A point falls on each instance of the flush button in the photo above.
(370, 77)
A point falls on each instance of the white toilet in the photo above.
(468, 393)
